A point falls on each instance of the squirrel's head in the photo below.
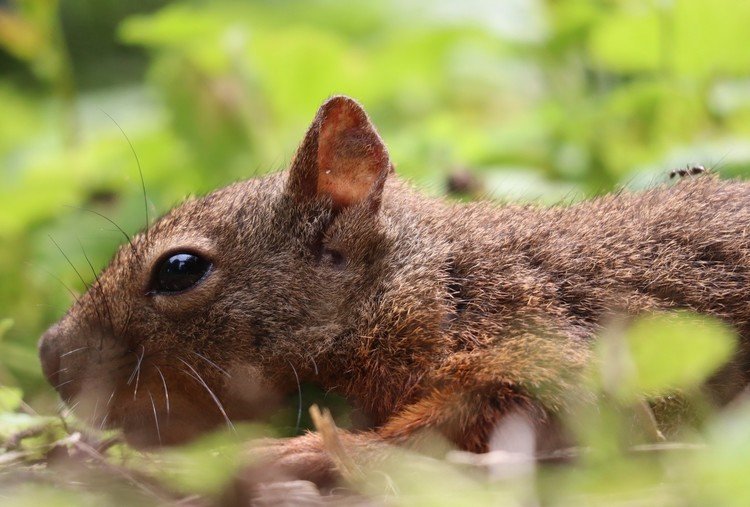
(221, 305)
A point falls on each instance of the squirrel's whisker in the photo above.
(166, 391)
(100, 291)
(79, 349)
(86, 285)
(126, 324)
(59, 371)
(138, 163)
(96, 407)
(75, 297)
(132, 374)
(299, 397)
(138, 371)
(104, 420)
(65, 383)
(222, 370)
(196, 376)
(156, 417)
(127, 236)
(111, 396)
(72, 407)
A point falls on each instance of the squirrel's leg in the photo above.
(304, 466)
(530, 377)
(310, 457)
(471, 419)
(467, 419)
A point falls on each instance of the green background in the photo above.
(546, 101)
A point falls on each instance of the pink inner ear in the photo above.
(351, 155)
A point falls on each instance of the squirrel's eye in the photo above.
(179, 272)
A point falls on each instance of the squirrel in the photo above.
(427, 315)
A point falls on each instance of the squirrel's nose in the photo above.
(50, 355)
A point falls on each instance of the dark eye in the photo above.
(179, 272)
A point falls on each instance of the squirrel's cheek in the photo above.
(248, 393)
(144, 427)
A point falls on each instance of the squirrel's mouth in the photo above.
(145, 427)
(156, 398)
(153, 405)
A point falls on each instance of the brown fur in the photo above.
(427, 315)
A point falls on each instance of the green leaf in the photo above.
(627, 41)
(5, 325)
(710, 38)
(665, 352)
(205, 466)
(10, 398)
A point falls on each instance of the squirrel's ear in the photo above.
(342, 157)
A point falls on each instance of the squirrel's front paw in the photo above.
(300, 458)
(318, 461)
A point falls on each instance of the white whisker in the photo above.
(104, 420)
(111, 396)
(64, 383)
(74, 351)
(156, 418)
(222, 370)
(299, 397)
(96, 406)
(138, 372)
(196, 376)
(166, 391)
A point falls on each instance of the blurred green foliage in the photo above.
(542, 100)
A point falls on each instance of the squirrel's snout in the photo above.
(49, 355)
(52, 345)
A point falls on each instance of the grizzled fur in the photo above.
(427, 315)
